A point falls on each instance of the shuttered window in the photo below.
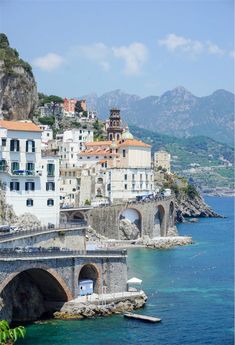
(14, 145)
(29, 186)
(14, 186)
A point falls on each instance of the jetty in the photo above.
(140, 317)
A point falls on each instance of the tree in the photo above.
(9, 335)
(78, 107)
(4, 43)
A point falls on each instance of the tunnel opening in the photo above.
(88, 273)
(130, 224)
(31, 295)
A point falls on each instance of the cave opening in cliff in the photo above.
(31, 295)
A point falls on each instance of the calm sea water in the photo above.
(189, 288)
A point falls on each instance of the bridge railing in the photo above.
(68, 225)
(42, 252)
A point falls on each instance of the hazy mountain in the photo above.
(177, 112)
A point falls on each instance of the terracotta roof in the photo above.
(133, 142)
(99, 143)
(19, 126)
(96, 153)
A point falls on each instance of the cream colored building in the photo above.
(162, 159)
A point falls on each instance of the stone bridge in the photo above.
(33, 284)
(153, 218)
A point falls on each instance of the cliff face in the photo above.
(18, 90)
(18, 94)
(192, 207)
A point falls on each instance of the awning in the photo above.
(134, 281)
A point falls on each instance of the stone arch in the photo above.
(130, 224)
(159, 221)
(63, 218)
(171, 214)
(32, 292)
(77, 216)
(91, 272)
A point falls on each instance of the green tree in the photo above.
(9, 335)
(50, 120)
(4, 43)
(78, 107)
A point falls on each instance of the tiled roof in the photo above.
(19, 126)
(133, 142)
(99, 143)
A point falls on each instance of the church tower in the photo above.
(115, 129)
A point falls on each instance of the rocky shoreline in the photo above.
(195, 207)
(77, 310)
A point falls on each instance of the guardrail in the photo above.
(10, 253)
(20, 233)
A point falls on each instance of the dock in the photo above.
(140, 317)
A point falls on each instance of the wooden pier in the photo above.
(140, 317)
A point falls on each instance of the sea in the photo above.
(190, 288)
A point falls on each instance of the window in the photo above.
(50, 186)
(80, 137)
(30, 168)
(3, 165)
(15, 167)
(51, 170)
(29, 186)
(71, 149)
(133, 186)
(30, 146)
(140, 177)
(14, 186)
(50, 202)
(125, 186)
(124, 153)
(133, 176)
(14, 145)
(4, 142)
(29, 202)
(141, 185)
(125, 177)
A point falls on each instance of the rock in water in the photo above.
(18, 90)
(128, 230)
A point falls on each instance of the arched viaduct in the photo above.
(153, 218)
(33, 285)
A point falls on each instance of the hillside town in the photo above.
(41, 174)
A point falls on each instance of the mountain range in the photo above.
(176, 112)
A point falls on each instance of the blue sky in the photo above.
(141, 47)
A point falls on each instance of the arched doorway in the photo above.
(89, 272)
(77, 217)
(33, 293)
(159, 222)
(130, 227)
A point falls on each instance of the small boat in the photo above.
(140, 317)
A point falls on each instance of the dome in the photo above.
(127, 134)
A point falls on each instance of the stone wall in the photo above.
(73, 239)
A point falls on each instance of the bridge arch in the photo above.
(160, 221)
(91, 272)
(31, 292)
(130, 223)
(171, 214)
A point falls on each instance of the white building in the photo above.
(47, 135)
(30, 180)
(125, 168)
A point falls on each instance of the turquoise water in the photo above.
(190, 288)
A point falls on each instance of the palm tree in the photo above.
(8, 336)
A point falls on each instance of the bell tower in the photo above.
(115, 129)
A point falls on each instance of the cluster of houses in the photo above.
(41, 174)
(70, 108)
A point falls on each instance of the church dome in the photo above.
(127, 135)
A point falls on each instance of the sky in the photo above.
(141, 47)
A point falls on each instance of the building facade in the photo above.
(30, 179)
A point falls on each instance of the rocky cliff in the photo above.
(195, 207)
(18, 90)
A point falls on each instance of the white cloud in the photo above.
(49, 62)
(133, 55)
(179, 43)
(214, 49)
(97, 52)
